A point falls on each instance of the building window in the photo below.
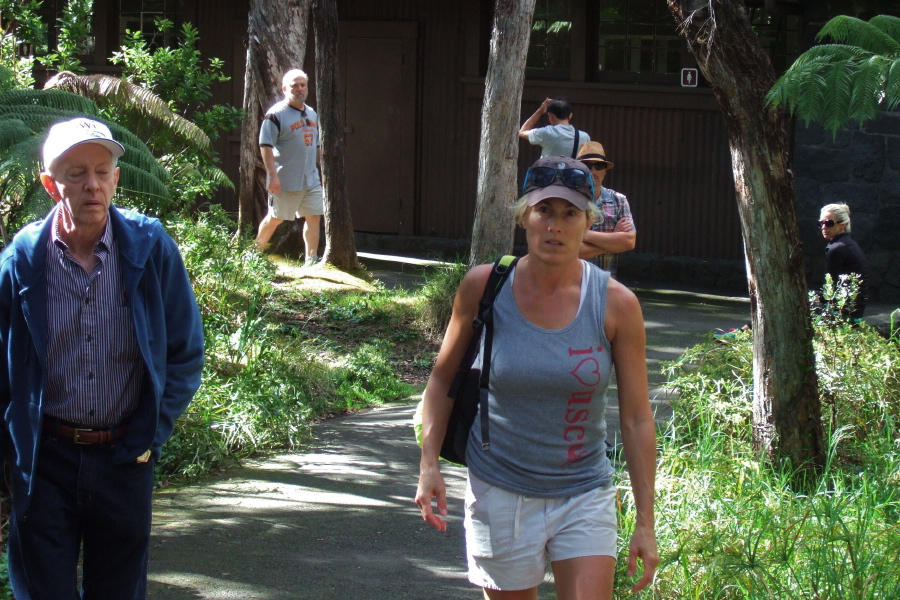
(638, 36)
(779, 35)
(141, 15)
(550, 48)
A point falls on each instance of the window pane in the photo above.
(550, 47)
(612, 56)
(612, 10)
(641, 11)
(638, 36)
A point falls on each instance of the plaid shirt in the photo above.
(613, 208)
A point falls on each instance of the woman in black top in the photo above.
(843, 255)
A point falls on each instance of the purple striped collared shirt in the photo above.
(94, 366)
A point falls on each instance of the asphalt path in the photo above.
(338, 520)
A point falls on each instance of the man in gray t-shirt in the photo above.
(559, 137)
(289, 145)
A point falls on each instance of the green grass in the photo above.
(730, 527)
(277, 358)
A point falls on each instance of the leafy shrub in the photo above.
(264, 383)
(439, 292)
(730, 527)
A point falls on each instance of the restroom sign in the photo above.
(689, 77)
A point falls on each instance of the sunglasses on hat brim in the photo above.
(544, 176)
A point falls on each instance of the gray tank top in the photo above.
(547, 400)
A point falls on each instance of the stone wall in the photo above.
(861, 168)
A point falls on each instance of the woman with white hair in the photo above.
(843, 255)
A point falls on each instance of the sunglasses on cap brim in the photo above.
(571, 178)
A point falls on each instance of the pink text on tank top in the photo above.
(587, 377)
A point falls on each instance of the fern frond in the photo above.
(802, 86)
(831, 53)
(12, 131)
(49, 99)
(839, 81)
(888, 24)
(148, 114)
(851, 31)
(892, 85)
(867, 88)
(141, 190)
(218, 177)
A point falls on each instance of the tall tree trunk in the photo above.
(340, 247)
(276, 42)
(786, 409)
(492, 234)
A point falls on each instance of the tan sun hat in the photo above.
(591, 152)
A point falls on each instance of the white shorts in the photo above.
(509, 536)
(288, 206)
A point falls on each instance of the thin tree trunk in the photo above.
(492, 233)
(276, 43)
(340, 247)
(786, 408)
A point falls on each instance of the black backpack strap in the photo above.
(575, 147)
(502, 267)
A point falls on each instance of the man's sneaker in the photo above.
(311, 260)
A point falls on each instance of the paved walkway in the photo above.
(338, 521)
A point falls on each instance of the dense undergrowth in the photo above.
(270, 373)
(731, 528)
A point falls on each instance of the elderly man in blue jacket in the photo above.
(102, 350)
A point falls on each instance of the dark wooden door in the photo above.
(378, 71)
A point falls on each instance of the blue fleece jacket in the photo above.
(166, 320)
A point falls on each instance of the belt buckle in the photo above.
(76, 434)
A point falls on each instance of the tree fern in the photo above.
(848, 80)
(25, 117)
(142, 111)
(851, 31)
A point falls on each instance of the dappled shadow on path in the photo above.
(338, 520)
(335, 522)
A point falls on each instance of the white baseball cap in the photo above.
(67, 134)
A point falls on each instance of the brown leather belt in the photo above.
(83, 435)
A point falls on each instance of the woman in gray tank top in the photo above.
(543, 488)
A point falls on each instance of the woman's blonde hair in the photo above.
(841, 213)
(520, 207)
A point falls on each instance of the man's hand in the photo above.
(623, 225)
(274, 184)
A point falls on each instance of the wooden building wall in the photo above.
(668, 143)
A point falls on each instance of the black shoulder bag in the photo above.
(469, 388)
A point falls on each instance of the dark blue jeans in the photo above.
(82, 501)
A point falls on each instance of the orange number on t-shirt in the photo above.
(308, 139)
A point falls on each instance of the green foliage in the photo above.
(730, 527)
(25, 117)
(439, 292)
(140, 110)
(21, 25)
(74, 29)
(264, 382)
(847, 80)
(178, 75)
